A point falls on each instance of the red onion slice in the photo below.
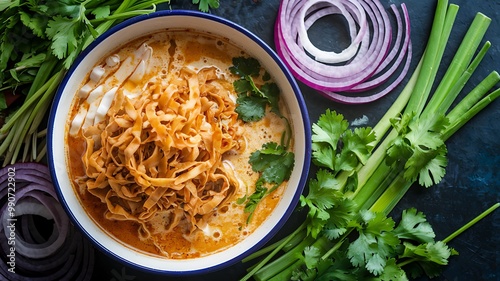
(405, 54)
(53, 251)
(376, 58)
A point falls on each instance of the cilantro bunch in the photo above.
(274, 162)
(364, 172)
(39, 40)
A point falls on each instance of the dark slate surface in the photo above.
(471, 184)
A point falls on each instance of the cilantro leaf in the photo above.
(392, 272)
(271, 92)
(250, 108)
(429, 257)
(428, 166)
(253, 100)
(275, 164)
(243, 66)
(361, 142)
(36, 23)
(437, 252)
(375, 244)
(338, 148)
(419, 148)
(101, 12)
(329, 128)
(425, 132)
(311, 256)
(242, 86)
(414, 226)
(340, 216)
(323, 194)
(204, 5)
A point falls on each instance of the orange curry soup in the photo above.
(156, 152)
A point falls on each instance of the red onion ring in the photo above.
(27, 192)
(377, 58)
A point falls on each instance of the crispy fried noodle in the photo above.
(156, 158)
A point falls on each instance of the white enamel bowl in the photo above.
(138, 27)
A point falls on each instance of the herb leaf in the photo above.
(204, 5)
(253, 100)
(275, 165)
(243, 66)
(338, 148)
(274, 162)
(250, 108)
(414, 226)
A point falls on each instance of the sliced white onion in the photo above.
(376, 58)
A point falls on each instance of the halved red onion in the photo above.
(51, 249)
(340, 76)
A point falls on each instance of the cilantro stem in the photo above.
(460, 63)
(374, 187)
(460, 230)
(122, 15)
(26, 106)
(455, 90)
(441, 28)
(458, 115)
(392, 195)
(459, 122)
(253, 272)
(471, 223)
(286, 243)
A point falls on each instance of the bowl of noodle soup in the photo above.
(156, 153)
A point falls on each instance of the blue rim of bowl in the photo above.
(284, 69)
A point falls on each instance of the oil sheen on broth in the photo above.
(163, 205)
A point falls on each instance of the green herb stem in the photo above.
(285, 274)
(459, 85)
(473, 97)
(392, 195)
(286, 243)
(459, 231)
(26, 106)
(444, 19)
(260, 269)
(475, 109)
(375, 186)
(471, 223)
(460, 61)
(123, 15)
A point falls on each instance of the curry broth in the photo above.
(228, 225)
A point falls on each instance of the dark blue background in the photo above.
(471, 184)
